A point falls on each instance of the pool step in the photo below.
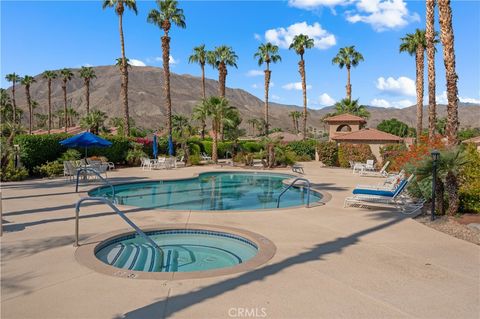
(132, 256)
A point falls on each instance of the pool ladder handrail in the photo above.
(104, 180)
(291, 185)
(119, 213)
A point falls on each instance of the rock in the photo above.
(474, 227)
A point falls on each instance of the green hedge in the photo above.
(353, 152)
(303, 148)
(328, 153)
(251, 147)
(116, 153)
(36, 150)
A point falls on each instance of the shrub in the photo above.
(390, 153)
(36, 150)
(285, 157)
(50, 169)
(353, 152)
(470, 181)
(194, 159)
(417, 152)
(328, 153)
(70, 155)
(206, 147)
(194, 148)
(116, 153)
(303, 148)
(223, 148)
(10, 173)
(135, 155)
(251, 147)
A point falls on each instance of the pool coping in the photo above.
(85, 254)
(325, 196)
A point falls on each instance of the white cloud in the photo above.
(295, 86)
(283, 37)
(261, 86)
(326, 100)
(136, 62)
(276, 97)
(396, 104)
(401, 86)
(311, 4)
(442, 99)
(257, 37)
(255, 86)
(382, 14)
(172, 60)
(255, 73)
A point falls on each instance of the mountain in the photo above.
(148, 110)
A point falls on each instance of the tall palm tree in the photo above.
(119, 6)
(27, 80)
(66, 75)
(14, 78)
(87, 73)
(220, 58)
(430, 39)
(163, 18)
(6, 107)
(300, 43)
(415, 44)
(217, 107)
(293, 115)
(200, 113)
(351, 107)
(199, 56)
(447, 38)
(93, 121)
(267, 53)
(253, 123)
(348, 57)
(49, 76)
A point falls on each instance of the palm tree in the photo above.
(87, 73)
(200, 113)
(446, 36)
(66, 75)
(220, 58)
(169, 12)
(180, 125)
(348, 57)
(6, 107)
(27, 80)
(93, 121)
(217, 107)
(14, 78)
(267, 53)
(119, 6)
(351, 107)
(430, 39)
(299, 44)
(199, 56)
(49, 76)
(414, 44)
(292, 114)
(253, 123)
(71, 116)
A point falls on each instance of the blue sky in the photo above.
(42, 35)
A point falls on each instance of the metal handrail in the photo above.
(291, 184)
(116, 210)
(89, 169)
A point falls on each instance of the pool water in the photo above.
(181, 251)
(211, 191)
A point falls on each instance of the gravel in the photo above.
(450, 226)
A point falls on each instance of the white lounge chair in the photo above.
(373, 173)
(384, 198)
(298, 168)
(146, 163)
(205, 157)
(362, 167)
(390, 182)
(69, 170)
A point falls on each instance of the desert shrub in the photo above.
(50, 169)
(470, 181)
(303, 148)
(194, 159)
(390, 153)
(135, 155)
(417, 152)
(251, 147)
(195, 148)
(36, 150)
(206, 147)
(10, 173)
(353, 152)
(328, 153)
(70, 155)
(244, 158)
(285, 157)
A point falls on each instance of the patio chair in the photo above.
(205, 157)
(146, 163)
(362, 167)
(180, 162)
(160, 162)
(298, 168)
(69, 170)
(390, 182)
(384, 198)
(373, 173)
(100, 168)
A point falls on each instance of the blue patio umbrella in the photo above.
(86, 139)
(155, 146)
(171, 149)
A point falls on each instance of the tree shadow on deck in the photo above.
(168, 307)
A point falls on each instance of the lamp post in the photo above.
(435, 156)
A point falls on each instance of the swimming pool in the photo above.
(181, 250)
(211, 191)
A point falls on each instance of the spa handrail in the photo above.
(291, 184)
(119, 213)
(89, 169)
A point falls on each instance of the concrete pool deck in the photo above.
(331, 262)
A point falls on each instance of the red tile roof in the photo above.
(369, 134)
(345, 118)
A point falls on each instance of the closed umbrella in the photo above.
(155, 146)
(171, 149)
(86, 139)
